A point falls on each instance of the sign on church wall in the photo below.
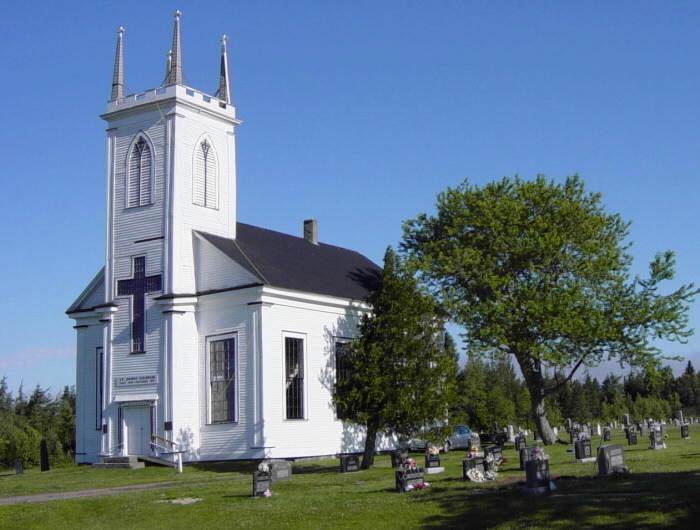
(136, 380)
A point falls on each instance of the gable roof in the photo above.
(290, 262)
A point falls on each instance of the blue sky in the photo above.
(356, 113)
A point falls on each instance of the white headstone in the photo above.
(511, 433)
(598, 430)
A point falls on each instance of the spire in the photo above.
(118, 76)
(175, 73)
(224, 93)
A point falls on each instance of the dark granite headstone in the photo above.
(537, 475)
(520, 442)
(280, 470)
(583, 449)
(261, 483)
(432, 460)
(607, 434)
(685, 431)
(349, 463)
(44, 450)
(476, 462)
(611, 459)
(497, 452)
(524, 457)
(408, 477)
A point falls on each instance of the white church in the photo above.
(202, 334)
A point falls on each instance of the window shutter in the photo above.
(134, 191)
(145, 176)
(198, 184)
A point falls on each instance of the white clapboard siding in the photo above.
(86, 408)
(215, 270)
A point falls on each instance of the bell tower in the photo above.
(171, 161)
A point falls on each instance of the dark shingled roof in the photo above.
(290, 262)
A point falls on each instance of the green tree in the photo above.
(401, 371)
(539, 271)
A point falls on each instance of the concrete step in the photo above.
(119, 465)
(159, 461)
(119, 459)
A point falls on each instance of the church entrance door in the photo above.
(137, 421)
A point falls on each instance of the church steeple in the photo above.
(118, 76)
(175, 73)
(224, 93)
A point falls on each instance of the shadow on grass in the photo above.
(642, 500)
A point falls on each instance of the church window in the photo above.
(342, 350)
(99, 367)
(139, 182)
(294, 377)
(204, 181)
(222, 380)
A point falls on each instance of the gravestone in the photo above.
(405, 477)
(556, 432)
(685, 431)
(280, 470)
(398, 457)
(582, 448)
(607, 434)
(611, 460)
(432, 460)
(19, 467)
(524, 457)
(349, 463)
(598, 430)
(261, 483)
(520, 442)
(476, 462)
(631, 436)
(511, 433)
(497, 453)
(656, 440)
(537, 475)
(573, 434)
(569, 424)
(44, 450)
(680, 416)
(627, 419)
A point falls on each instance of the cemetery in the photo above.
(624, 485)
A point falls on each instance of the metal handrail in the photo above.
(174, 449)
(111, 450)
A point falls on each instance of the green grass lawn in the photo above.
(663, 489)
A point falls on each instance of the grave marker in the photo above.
(611, 460)
(582, 448)
(261, 483)
(44, 450)
(685, 431)
(475, 462)
(349, 463)
(280, 470)
(537, 475)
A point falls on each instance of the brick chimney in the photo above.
(311, 231)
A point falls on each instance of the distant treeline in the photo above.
(490, 393)
(26, 420)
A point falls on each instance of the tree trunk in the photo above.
(370, 443)
(535, 384)
(541, 422)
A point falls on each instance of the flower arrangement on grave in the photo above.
(433, 450)
(473, 452)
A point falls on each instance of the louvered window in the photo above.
(140, 174)
(342, 368)
(205, 176)
(222, 380)
(294, 369)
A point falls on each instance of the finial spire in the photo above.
(175, 73)
(118, 76)
(223, 93)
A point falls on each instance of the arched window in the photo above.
(205, 175)
(140, 174)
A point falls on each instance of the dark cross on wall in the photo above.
(137, 287)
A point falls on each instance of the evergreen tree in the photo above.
(400, 374)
